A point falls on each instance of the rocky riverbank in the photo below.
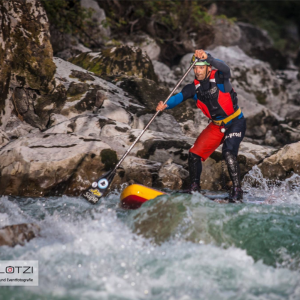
(64, 123)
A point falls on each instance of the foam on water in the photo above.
(206, 251)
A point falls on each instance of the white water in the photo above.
(88, 252)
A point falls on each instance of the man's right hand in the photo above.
(161, 106)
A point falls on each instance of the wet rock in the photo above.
(283, 163)
(215, 176)
(117, 61)
(141, 171)
(172, 176)
(13, 235)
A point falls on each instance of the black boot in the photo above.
(195, 168)
(236, 194)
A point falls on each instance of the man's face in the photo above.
(200, 71)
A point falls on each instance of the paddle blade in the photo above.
(98, 188)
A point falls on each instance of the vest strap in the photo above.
(228, 119)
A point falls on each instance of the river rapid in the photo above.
(174, 247)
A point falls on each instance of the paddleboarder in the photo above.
(214, 95)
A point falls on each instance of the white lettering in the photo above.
(233, 134)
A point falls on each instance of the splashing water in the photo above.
(174, 247)
(287, 191)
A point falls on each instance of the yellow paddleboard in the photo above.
(135, 195)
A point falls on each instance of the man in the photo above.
(214, 95)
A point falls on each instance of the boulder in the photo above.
(164, 123)
(164, 74)
(117, 61)
(172, 176)
(257, 43)
(283, 163)
(45, 164)
(87, 92)
(145, 42)
(141, 171)
(15, 128)
(26, 64)
(94, 26)
(215, 175)
(13, 235)
(227, 33)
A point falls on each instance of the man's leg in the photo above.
(195, 168)
(235, 176)
(207, 142)
(233, 137)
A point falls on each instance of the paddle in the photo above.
(99, 187)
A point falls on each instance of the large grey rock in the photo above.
(15, 128)
(146, 43)
(141, 171)
(172, 176)
(163, 123)
(26, 65)
(96, 30)
(87, 92)
(283, 163)
(117, 61)
(46, 164)
(257, 43)
(215, 176)
(227, 33)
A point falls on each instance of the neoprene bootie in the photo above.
(236, 193)
(193, 189)
(195, 169)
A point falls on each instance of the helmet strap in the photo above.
(206, 73)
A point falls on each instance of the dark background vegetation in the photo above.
(169, 21)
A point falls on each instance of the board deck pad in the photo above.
(135, 195)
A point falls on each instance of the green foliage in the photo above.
(129, 16)
(67, 15)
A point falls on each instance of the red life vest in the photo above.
(213, 102)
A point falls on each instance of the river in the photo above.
(174, 247)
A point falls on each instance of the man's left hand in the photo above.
(201, 54)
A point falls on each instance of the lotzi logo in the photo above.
(19, 273)
(17, 270)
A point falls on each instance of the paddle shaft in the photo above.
(149, 123)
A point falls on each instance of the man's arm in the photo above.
(187, 92)
(219, 65)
